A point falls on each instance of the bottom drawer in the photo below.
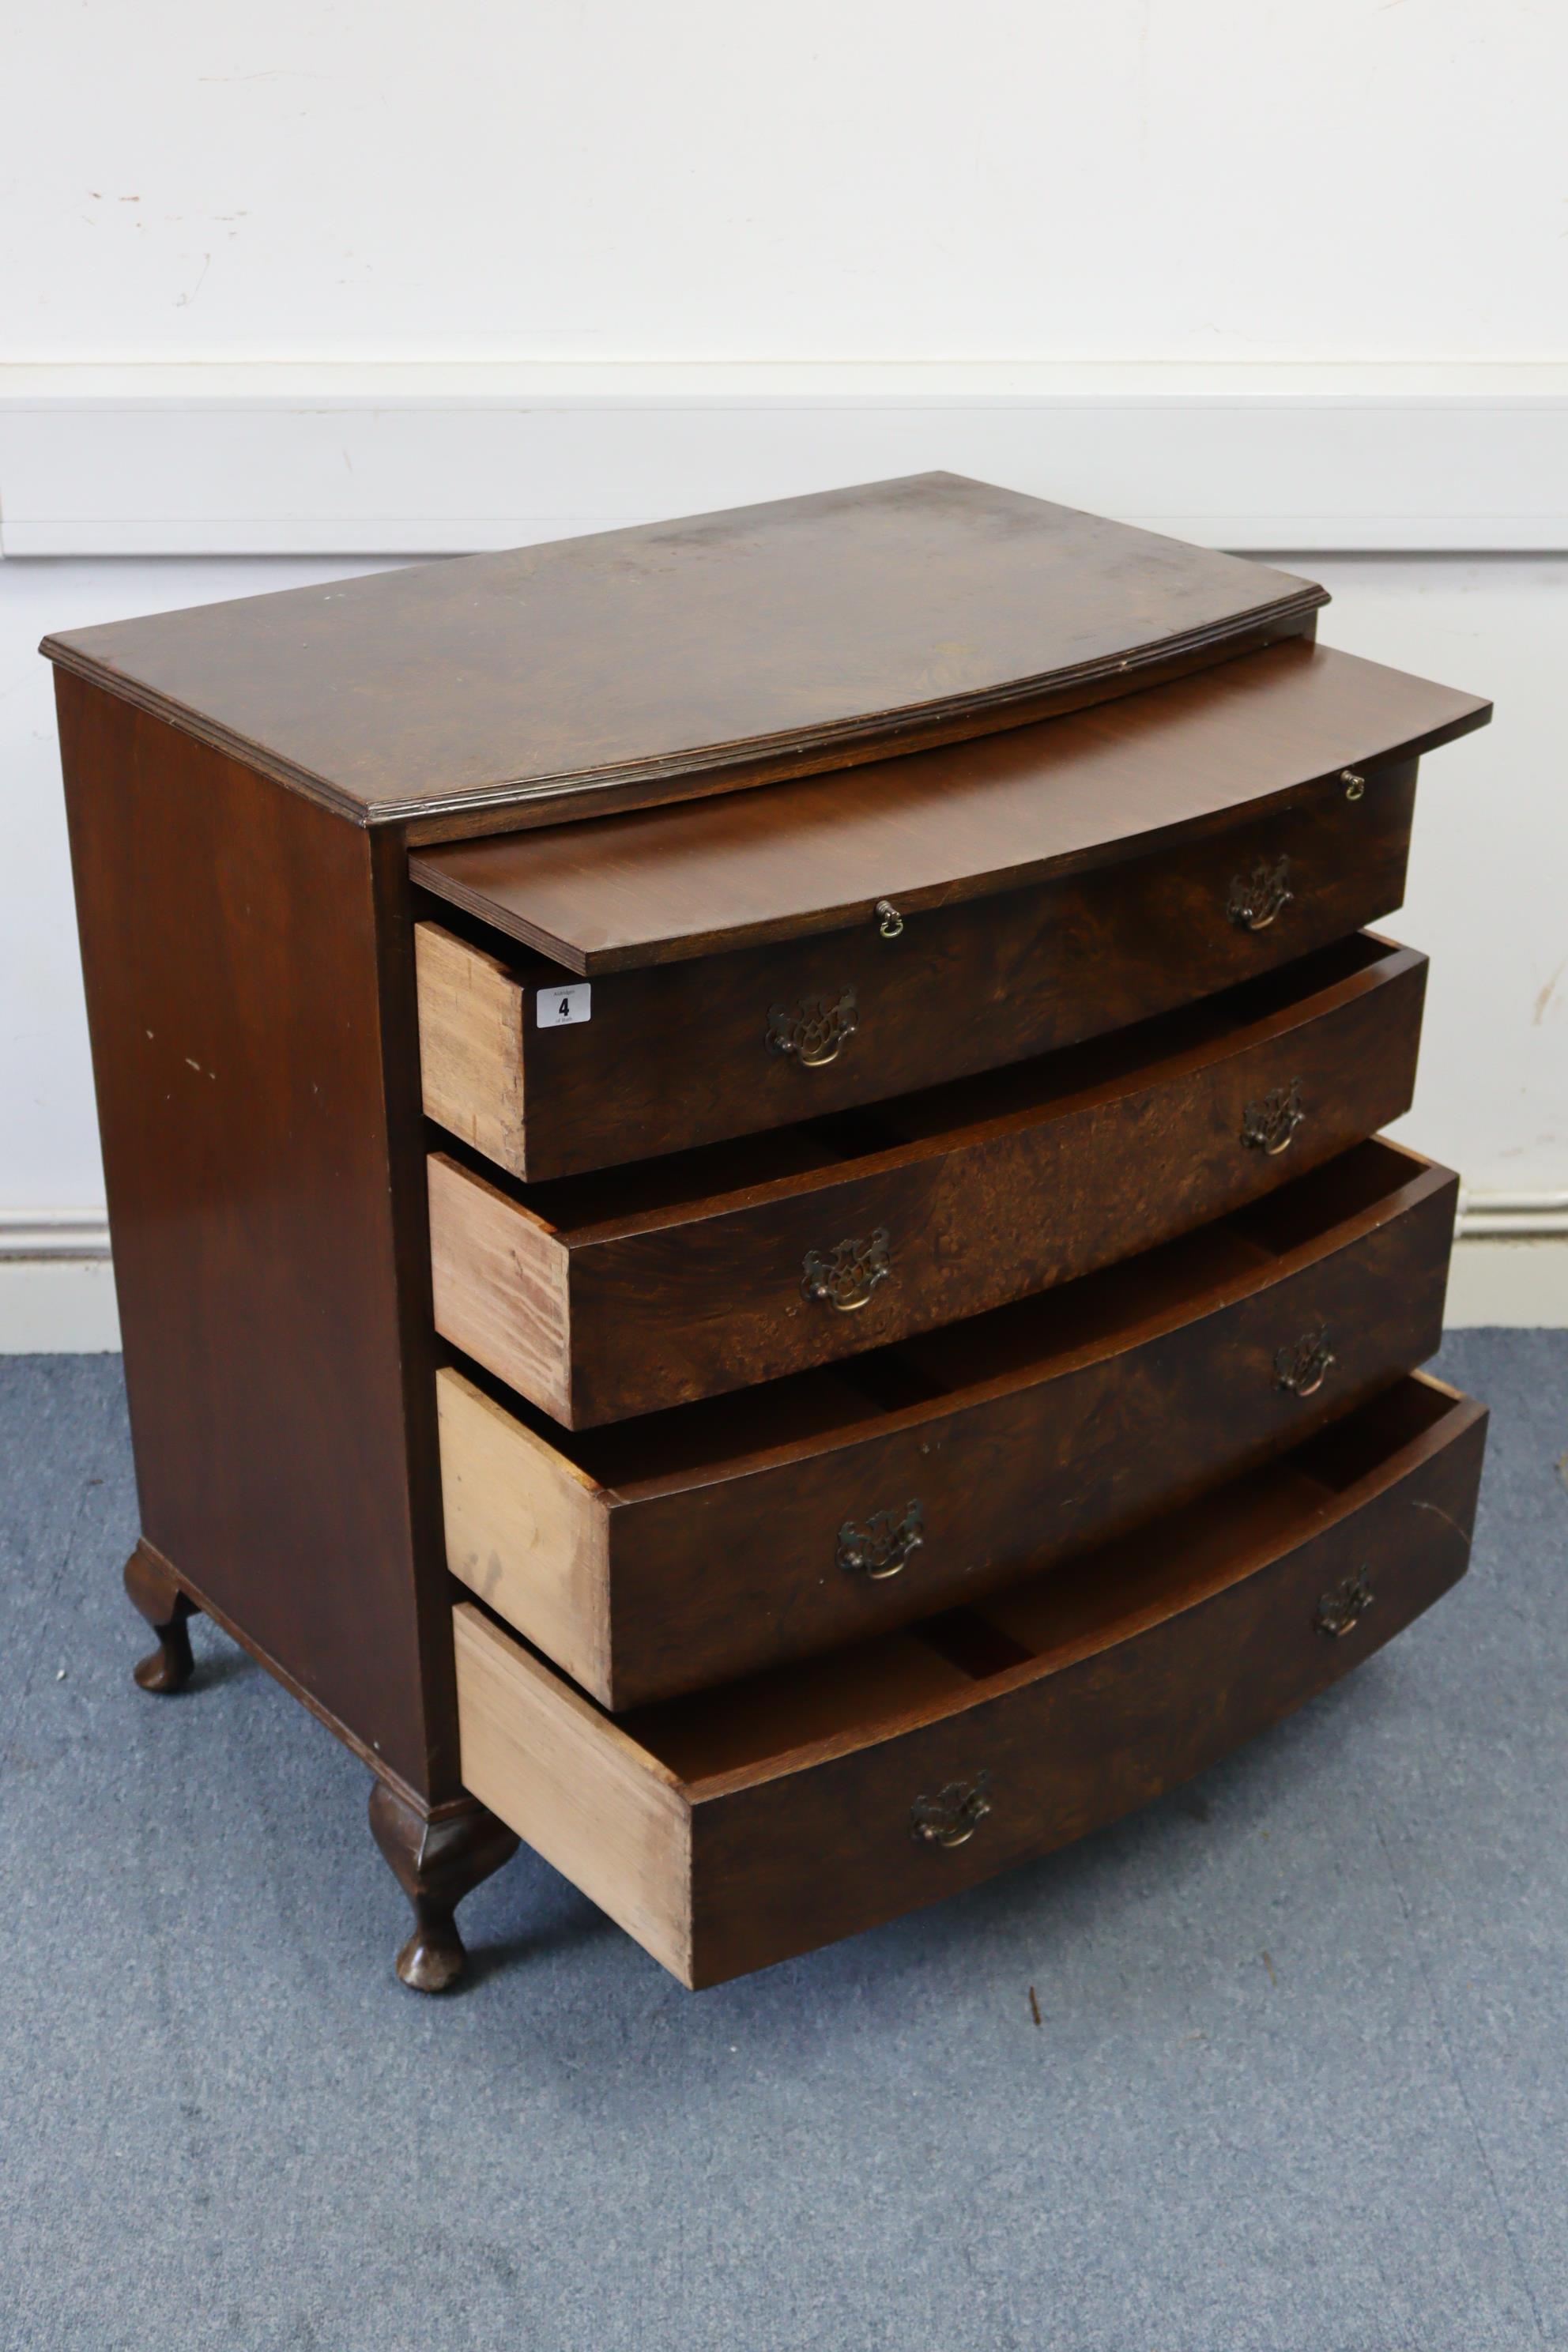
(741, 1825)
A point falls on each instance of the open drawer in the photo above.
(641, 1287)
(723, 967)
(744, 1825)
(661, 1555)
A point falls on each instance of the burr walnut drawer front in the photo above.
(635, 1289)
(549, 1075)
(744, 1825)
(658, 1555)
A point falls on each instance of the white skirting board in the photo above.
(1519, 1283)
(65, 1306)
(383, 459)
(58, 1306)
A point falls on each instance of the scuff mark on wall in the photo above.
(181, 300)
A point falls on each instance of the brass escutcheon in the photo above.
(1269, 1124)
(1341, 1610)
(814, 1032)
(1304, 1368)
(890, 922)
(887, 1542)
(1354, 786)
(1256, 898)
(951, 1817)
(844, 1276)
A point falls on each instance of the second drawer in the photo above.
(658, 1555)
(623, 1293)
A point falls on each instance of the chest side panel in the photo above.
(229, 952)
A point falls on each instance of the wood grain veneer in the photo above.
(250, 1007)
(778, 1812)
(1083, 895)
(720, 649)
(684, 1054)
(635, 1289)
(1034, 802)
(656, 1556)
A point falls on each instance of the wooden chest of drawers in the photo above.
(745, 1197)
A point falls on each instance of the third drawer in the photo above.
(660, 1556)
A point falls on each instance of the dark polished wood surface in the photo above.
(814, 1798)
(742, 644)
(1159, 1659)
(1107, 1002)
(817, 855)
(435, 1862)
(167, 1608)
(684, 1054)
(684, 1277)
(234, 1001)
(1019, 1438)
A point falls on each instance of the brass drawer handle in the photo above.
(1269, 1124)
(890, 922)
(814, 1032)
(952, 1816)
(1341, 1610)
(1304, 1368)
(844, 1276)
(1256, 898)
(888, 1541)
(1354, 786)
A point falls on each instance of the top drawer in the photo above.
(720, 968)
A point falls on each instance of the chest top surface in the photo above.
(811, 625)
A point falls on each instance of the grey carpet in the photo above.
(1298, 2077)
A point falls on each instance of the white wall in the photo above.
(1485, 895)
(293, 278)
(836, 179)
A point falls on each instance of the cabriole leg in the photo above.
(435, 1861)
(152, 1590)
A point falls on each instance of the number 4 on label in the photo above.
(559, 1007)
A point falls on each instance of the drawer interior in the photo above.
(1094, 1601)
(1030, 1338)
(616, 1197)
